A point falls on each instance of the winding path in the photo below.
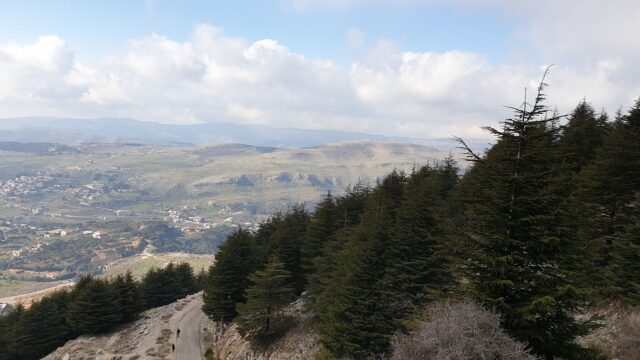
(188, 344)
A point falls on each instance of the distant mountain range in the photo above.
(114, 130)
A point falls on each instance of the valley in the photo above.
(99, 208)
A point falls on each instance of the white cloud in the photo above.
(213, 78)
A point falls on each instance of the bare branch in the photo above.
(472, 156)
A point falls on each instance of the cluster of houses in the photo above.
(23, 185)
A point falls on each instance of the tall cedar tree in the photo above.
(418, 267)
(348, 209)
(129, 296)
(287, 240)
(263, 238)
(355, 316)
(186, 280)
(580, 139)
(321, 228)
(94, 307)
(514, 216)
(608, 188)
(229, 277)
(269, 292)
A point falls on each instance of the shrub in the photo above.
(459, 330)
(627, 339)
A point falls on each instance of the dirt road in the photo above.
(188, 343)
(149, 337)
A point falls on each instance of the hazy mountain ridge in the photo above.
(114, 130)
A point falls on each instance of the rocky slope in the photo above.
(299, 342)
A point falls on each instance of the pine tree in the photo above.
(128, 295)
(229, 277)
(268, 294)
(94, 308)
(514, 215)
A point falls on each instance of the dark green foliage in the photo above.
(129, 296)
(186, 280)
(6, 333)
(229, 276)
(320, 230)
(581, 137)
(261, 316)
(355, 315)
(164, 286)
(286, 242)
(626, 260)
(606, 191)
(201, 279)
(41, 328)
(348, 208)
(418, 267)
(94, 307)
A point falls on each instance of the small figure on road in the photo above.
(178, 332)
(173, 347)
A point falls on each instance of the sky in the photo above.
(419, 68)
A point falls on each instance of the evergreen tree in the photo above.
(129, 296)
(41, 328)
(161, 286)
(7, 323)
(321, 228)
(186, 280)
(514, 213)
(355, 316)
(579, 141)
(349, 209)
(606, 191)
(626, 259)
(268, 294)
(286, 241)
(201, 279)
(264, 245)
(418, 267)
(229, 277)
(581, 137)
(94, 307)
